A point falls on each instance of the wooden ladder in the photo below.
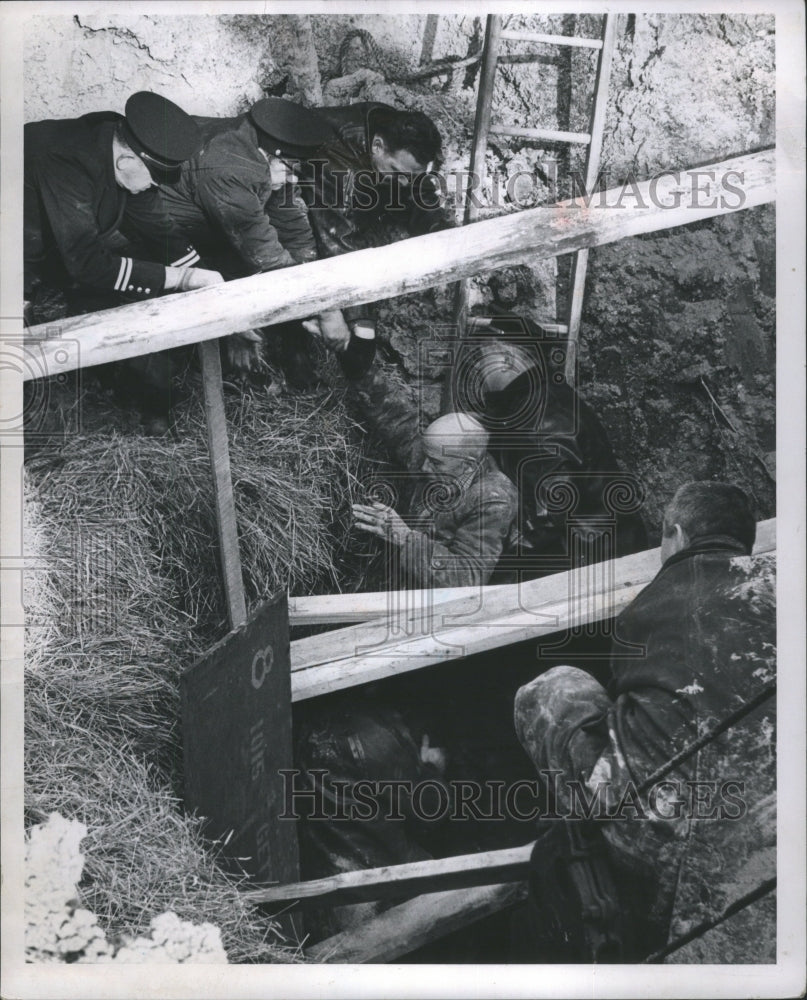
(495, 35)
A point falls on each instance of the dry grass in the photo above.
(131, 596)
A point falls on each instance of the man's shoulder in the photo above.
(235, 150)
(493, 486)
(84, 142)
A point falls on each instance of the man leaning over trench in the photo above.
(96, 227)
(238, 201)
(695, 645)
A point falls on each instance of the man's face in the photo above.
(438, 464)
(132, 173)
(400, 162)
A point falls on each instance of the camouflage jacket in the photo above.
(461, 526)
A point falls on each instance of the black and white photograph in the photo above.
(403, 499)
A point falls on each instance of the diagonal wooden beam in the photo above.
(671, 200)
(460, 872)
(406, 927)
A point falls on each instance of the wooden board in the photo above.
(672, 200)
(493, 617)
(463, 871)
(236, 728)
(219, 450)
(404, 928)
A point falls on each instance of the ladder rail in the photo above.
(495, 35)
(597, 129)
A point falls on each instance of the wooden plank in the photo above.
(550, 135)
(404, 928)
(236, 732)
(391, 881)
(597, 130)
(219, 450)
(494, 617)
(575, 41)
(338, 609)
(429, 35)
(403, 267)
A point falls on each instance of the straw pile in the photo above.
(129, 596)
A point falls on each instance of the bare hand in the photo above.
(201, 278)
(183, 279)
(436, 756)
(244, 352)
(381, 520)
(331, 327)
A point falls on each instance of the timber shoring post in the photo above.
(219, 450)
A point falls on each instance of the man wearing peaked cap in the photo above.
(89, 192)
(95, 224)
(237, 200)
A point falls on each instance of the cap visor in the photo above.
(164, 175)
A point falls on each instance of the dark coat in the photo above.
(349, 208)
(225, 195)
(697, 643)
(78, 220)
(552, 445)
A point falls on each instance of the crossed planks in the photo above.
(452, 892)
(416, 631)
(665, 202)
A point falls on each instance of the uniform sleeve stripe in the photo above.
(121, 271)
(190, 258)
(127, 274)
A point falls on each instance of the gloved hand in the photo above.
(331, 327)
(183, 279)
(244, 352)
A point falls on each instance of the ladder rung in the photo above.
(540, 133)
(532, 36)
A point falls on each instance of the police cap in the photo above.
(161, 134)
(287, 129)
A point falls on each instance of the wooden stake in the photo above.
(219, 450)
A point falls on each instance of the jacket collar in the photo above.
(707, 543)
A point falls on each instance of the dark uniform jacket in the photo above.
(350, 209)
(79, 222)
(696, 644)
(224, 203)
(459, 527)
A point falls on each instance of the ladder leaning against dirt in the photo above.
(495, 34)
